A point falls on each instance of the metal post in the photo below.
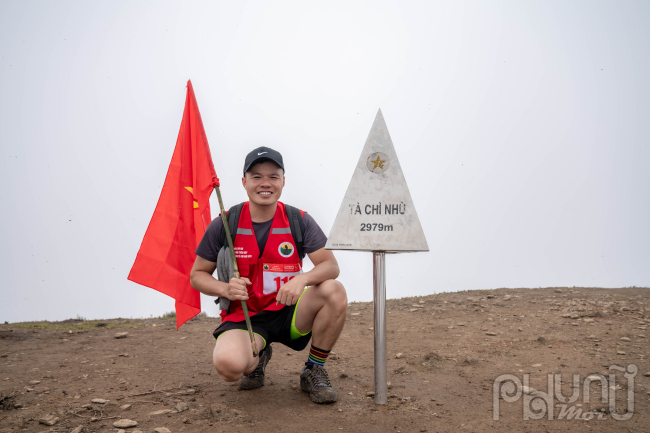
(379, 286)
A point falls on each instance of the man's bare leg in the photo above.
(322, 310)
(233, 356)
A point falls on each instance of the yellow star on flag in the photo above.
(191, 190)
(378, 163)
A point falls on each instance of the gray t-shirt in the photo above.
(313, 240)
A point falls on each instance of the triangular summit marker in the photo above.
(377, 213)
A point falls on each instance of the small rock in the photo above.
(78, 429)
(182, 406)
(423, 429)
(625, 339)
(620, 352)
(350, 393)
(608, 323)
(187, 392)
(161, 412)
(294, 387)
(537, 365)
(49, 420)
(492, 334)
(121, 334)
(124, 423)
(34, 382)
(399, 355)
(542, 340)
(370, 394)
(421, 302)
(125, 406)
(412, 310)
(355, 314)
(587, 320)
(390, 385)
(162, 430)
(121, 431)
(490, 296)
(99, 401)
(343, 376)
(647, 374)
(558, 291)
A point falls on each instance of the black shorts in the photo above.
(272, 326)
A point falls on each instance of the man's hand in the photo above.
(237, 290)
(290, 292)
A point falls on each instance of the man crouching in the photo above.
(286, 305)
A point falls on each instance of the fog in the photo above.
(522, 129)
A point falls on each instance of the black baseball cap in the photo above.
(262, 154)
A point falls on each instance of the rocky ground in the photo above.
(445, 352)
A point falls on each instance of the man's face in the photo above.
(263, 183)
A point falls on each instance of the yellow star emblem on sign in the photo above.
(378, 163)
(191, 190)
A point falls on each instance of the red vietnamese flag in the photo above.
(182, 214)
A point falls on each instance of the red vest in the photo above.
(277, 265)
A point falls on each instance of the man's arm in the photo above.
(325, 268)
(202, 280)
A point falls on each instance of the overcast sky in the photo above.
(522, 129)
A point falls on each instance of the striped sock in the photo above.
(317, 356)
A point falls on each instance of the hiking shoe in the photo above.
(315, 381)
(256, 378)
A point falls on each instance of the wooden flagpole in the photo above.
(236, 269)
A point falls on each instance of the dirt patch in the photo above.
(14, 335)
(452, 348)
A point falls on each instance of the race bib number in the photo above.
(277, 275)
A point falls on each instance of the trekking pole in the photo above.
(236, 269)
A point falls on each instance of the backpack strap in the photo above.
(294, 215)
(233, 221)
